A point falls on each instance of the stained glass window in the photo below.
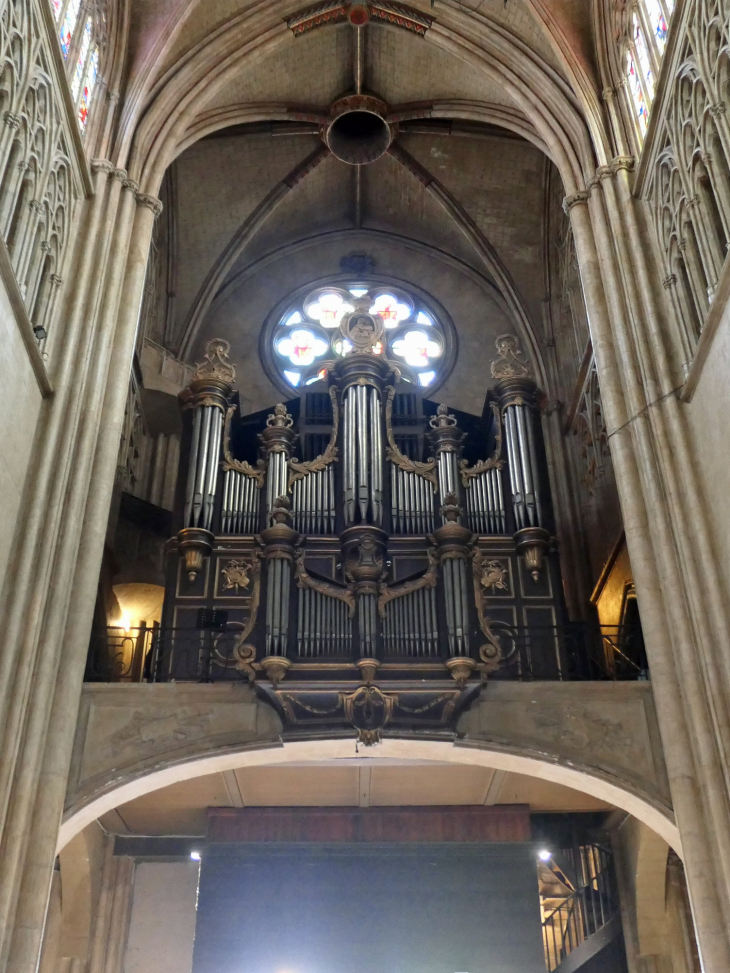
(69, 25)
(87, 91)
(307, 336)
(645, 47)
(81, 49)
(81, 62)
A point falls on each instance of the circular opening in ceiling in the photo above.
(359, 137)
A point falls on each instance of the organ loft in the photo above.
(411, 555)
(364, 598)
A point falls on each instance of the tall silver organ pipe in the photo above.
(240, 510)
(362, 454)
(280, 544)
(411, 502)
(313, 502)
(482, 484)
(485, 502)
(277, 439)
(409, 625)
(446, 438)
(312, 484)
(324, 626)
(523, 468)
(367, 618)
(203, 469)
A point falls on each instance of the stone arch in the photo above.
(533, 86)
(135, 739)
(658, 819)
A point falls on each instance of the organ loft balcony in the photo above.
(367, 560)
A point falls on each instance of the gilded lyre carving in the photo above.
(300, 470)
(510, 363)
(427, 580)
(495, 461)
(243, 653)
(305, 580)
(427, 469)
(258, 472)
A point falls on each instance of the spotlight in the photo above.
(195, 855)
(544, 855)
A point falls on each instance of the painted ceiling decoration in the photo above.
(395, 14)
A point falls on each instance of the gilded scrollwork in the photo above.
(243, 654)
(305, 580)
(300, 470)
(427, 580)
(258, 472)
(495, 461)
(490, 653)
(510, 363)
(427, 470)
(215, 363)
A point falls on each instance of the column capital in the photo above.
(101, 165)
(576, 199)
(152, 203)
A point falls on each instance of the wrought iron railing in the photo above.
(573, 652)
(585, 911)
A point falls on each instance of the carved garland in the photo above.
(305, 580)
(495, 462)
(427, 580)
(321, 462)
(258, 472)
(425, 470)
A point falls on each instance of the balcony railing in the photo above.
(573, 652)
(584, 912)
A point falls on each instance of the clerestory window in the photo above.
(81, 33)
(647, 38)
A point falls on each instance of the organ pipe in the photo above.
(207, 397)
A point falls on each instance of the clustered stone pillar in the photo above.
(48, 605)
(629, 355)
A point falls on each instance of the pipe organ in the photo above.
(362, 555)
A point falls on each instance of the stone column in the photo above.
(606, 308)
(95, 476)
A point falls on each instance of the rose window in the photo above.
(308, 339)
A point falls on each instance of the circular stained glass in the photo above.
(307, 340)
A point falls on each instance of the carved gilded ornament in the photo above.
(510, 363)
(215, 364)
(236, 575)
(426, 470)
(327, 588)
(258, 473)
(242, 654)
(495, 461)
(300, 470)
(493, 575)
(280, 418)
(490, 653)
(427, 580)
